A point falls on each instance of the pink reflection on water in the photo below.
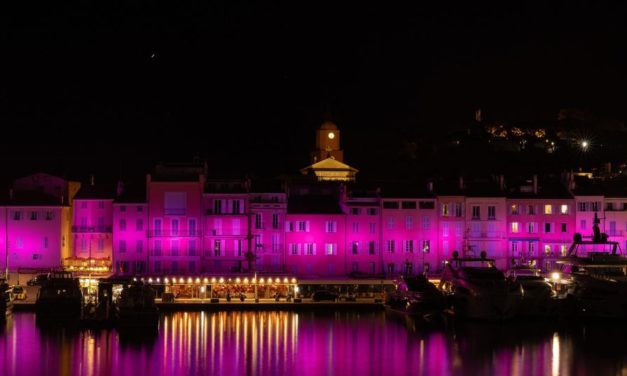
(286, 343)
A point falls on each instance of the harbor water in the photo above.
(308, 343)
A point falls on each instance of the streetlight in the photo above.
(584, 145)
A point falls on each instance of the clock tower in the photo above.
(327, 143)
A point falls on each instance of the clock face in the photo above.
(331, 135)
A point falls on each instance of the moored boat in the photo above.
(59, 298)
(6, 300)
(539, 298)
(136, 308)
(478, 290)
(415, 296)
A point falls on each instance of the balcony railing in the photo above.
(167, 233)
(224, 212)
(91, 228)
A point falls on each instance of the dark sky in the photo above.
(113, 86)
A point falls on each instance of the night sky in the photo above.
(112, 87)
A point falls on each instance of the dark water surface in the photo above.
(286, 343)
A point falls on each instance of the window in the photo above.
(582, 224)
(191, 247)
(594, 205)
(139, 246)
(17, 215)
(458, 210)
(236, 226)
(258, 221)
(565, 227)
(514, 209)
(563, 250)
(426, 246)
(157, 225)
(37, 256)
(372, 228)
(532, 227)
(547, 228)
(303, 226)
(371, 247)
(515, 227)
(45, 242)
(547, 249)
(355, 227)
(331, 226)
(310, 249)
(563, 209)
(33, 216)
(294, 249)
(409, 246)
(217, 247)
(235, 209)
(174, 247)
(390, 204)
(426, 205)
(289, 226)
(491, 212)
(390, 223)
(275, 221)
(445, 211)
(330, 249)
(581, 206)
(157, 250)
(174, 230)
(548, 209)
(49, 216)
(122, 208)
(217, 206)
(191, 226)
(175, 203)
(355, 211)
(238, 247)
(122, 246)
(355, 247)
(372, 211)
(139, 225)
(476, 212)
(389, 245)
(408, 204)
(444, 229)
(122, 224)
(426, 223)
(276, 241)
(459, 229)
(409, 222)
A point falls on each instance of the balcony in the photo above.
(168, 233)
(91, 229)
(213, 212)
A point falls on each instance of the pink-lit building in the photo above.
(226, 222)
(130, 240)
(175, 217)
(267, 214)
(363, 236)
(451, 224)
(33, 231)
(315, 237)
(409, 226)
(541, 223)
(92, 228)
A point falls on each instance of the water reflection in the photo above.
(259, 343)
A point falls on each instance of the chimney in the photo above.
(92, 179)
(461, 182)
(119, 188)
(430, 186)
(62, 200)
(535, 184)
(10, 193)
(502, 182)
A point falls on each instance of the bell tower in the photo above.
(327, 143)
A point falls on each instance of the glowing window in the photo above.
(548, 209)
(515, 227)
(331, 135)
(564, 209)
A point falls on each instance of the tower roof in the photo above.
(328, 126)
